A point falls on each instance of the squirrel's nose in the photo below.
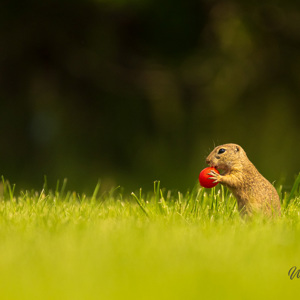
(208, 161)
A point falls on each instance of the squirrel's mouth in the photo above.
(219, 168)
(214, 164)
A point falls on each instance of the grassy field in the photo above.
(157, 245)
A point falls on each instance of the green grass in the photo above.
(157, 245)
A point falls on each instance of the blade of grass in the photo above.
(96, 190)
(294, 188)
(139, 202)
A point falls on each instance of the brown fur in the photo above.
(253, 192)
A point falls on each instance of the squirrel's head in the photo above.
(227, 157)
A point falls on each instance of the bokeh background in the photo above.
(134, 91)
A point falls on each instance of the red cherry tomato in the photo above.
(204, 178)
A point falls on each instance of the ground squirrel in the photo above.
(253, 192)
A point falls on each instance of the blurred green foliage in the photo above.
(131, 91)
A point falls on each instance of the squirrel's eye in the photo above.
(222, 150)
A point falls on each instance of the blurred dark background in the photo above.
(134, 91)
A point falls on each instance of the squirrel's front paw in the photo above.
(215, 176)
